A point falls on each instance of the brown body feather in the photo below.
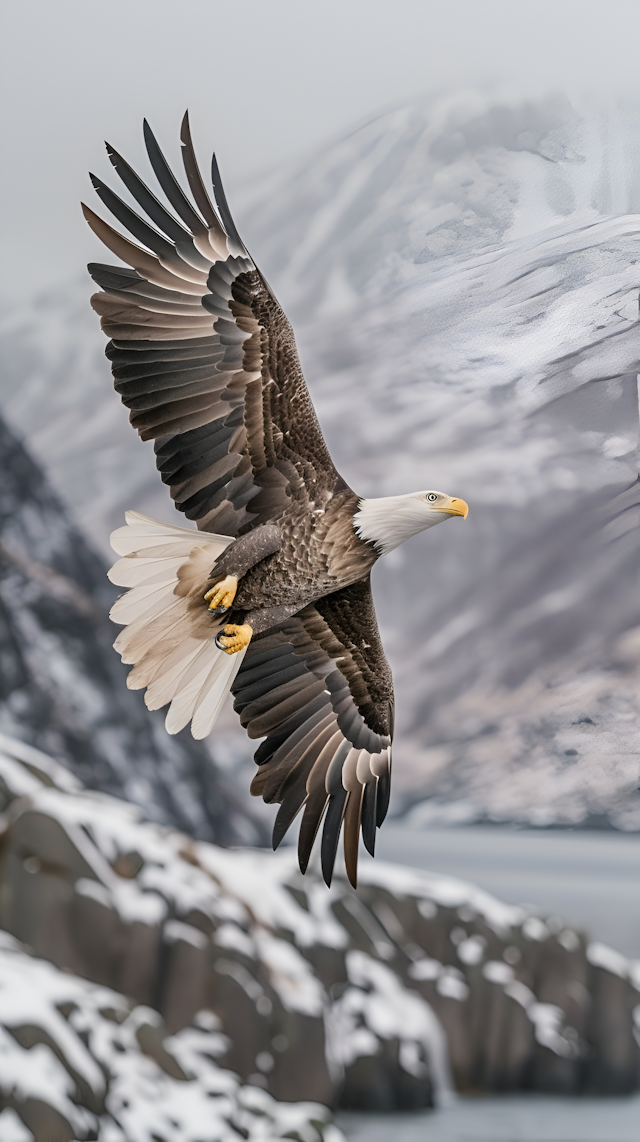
(320, 554)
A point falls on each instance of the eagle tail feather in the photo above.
(169, 635)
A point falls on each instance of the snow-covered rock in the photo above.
(463, 277)
(80, 1061)
(386, 997)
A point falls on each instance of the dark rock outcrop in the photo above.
(62, 687)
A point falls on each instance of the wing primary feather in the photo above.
(369, 815)
(133, 222)
(331, 833)
(169, 183)
(317, 712)
(194, 178)
(334, 772)
(316, 803)
(125, 355)
(144, 263)
(277, 777)
(223, 207)
(114, 277)
(292, 803)
(314, 808)
(200, 463)
(294, 789)
(352, 816)
(171, 453)
(146, 199)
(382, 799)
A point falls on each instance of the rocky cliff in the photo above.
(62, 687)
(386, 998)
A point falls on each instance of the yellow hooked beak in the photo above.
(455, 507)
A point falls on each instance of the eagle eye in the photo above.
(432, 496)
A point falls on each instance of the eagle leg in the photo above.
(221, 597)
(233, 638)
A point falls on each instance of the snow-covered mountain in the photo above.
(463, 277)
(440, 179)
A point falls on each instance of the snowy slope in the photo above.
(463, 277)
(435, 180)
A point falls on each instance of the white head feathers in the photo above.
(389, 521)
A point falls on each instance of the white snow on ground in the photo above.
(90, 1031)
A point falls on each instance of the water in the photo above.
(591, 879)
(513, 1119)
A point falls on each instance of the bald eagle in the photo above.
(270, 598)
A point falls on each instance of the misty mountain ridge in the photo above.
(462, 276)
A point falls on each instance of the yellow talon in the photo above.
(223, 594)
(234, 638)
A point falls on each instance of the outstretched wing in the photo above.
(319, 689)
(204, 356)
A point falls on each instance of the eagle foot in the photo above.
(234, 638)
(222, 595)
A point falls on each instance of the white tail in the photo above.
(168, 633)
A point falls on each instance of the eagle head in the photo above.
(389, 521)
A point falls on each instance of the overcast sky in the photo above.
(265, 80)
